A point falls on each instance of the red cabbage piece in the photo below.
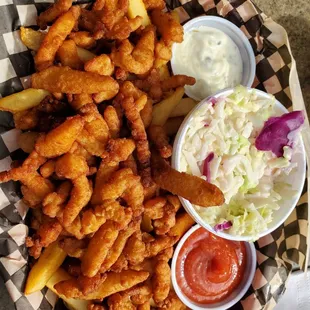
(206, 166)
(223, 226)
(213, 100)
(279, 132)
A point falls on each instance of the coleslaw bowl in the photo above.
(295, 178)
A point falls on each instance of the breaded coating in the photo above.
(134, 250)
(54, 11)
(98, 248)
(101, 64)
(154, 208)
(159, 244)
(74, 247)
(80, 100)
(113, 121)
(154, 4)
(71, 166)
(119, 245)
(114, 283)
(47, 169)
(158, 136)
(88, 285)
(54, 202)
(68, 55)
(183, 223)
(56, 35)
(131, 163)
(172, 302)
(136, 59)
(83, 39)
(59, 140)
(120, 265)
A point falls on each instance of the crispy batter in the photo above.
(183, 223)
(66, 80)
(139, 135)
(121, 74)
(131, 163)
(146, 113)
(167, 26)
(71, 166)
(83, 39)
(134, 250)
(73, 247)
(196, 190)
(113, 121)
(68, 55)
(48, 168)
(27, 140)
(172, 302)
(136, 59)
(118, 150)
(80, 100)
(92, 306)
(26, 120)
(101, 65)
(115, 282)
(60, 140)
(158, 136)
(159, 244)
(154, 208)
(55, 37)
(98, 5)
(88, 285)
(154, 4)
(87, 20)
(98, 248)
(54, 202)
(120, 265)
(80, 196)
(53, 12)
(119, 245)
(176, 81)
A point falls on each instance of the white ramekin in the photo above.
(239, 38)
(230, 300)
(296, 178)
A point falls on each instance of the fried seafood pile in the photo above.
(105, 214)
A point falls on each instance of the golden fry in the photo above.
(48, 263)
(31, 38)
(55, 37)
(137, 8)
(184, 107)
(183, 223)
(66, 80)
(172, 125)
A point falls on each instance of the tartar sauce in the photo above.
(210, 56)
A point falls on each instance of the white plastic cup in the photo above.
(238, 37)
(296, 178)
(232, 298)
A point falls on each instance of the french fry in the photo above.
(137, 8)
(72, 304)
(24, 100)
(162, 110)
(172, 125)
(163, 72)
(51, 259)
(183, 223)
(184, 107)
(33, 39)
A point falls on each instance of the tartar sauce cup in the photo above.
(232, 298)
(235, 34)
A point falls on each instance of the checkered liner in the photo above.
(275, 252)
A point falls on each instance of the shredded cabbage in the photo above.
(246, 175)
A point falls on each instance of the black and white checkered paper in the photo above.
(275, 253)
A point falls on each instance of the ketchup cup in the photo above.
(234, 296)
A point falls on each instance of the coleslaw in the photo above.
(219, 146)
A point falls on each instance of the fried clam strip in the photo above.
(154, 4)
(113, 121)
(34, 187)
(48, 232)
(162, 210)
(134, 250)
(68, 81)
(155, 245)
(112, 21)
(196, 190)
(161, 277)
(59, 140)
(74, 247)
(68, 55)
(172, 302)
(54, 202)
(96, 131)
(83, 39)
(114, 283)
(47, 169)
(101, 65)
(158, 136)
(137, 296)
(75, 168)
(136, 59)
(139, 135)
(88, 285)
(119, 245)
(53, 12)
(124, 184)
(55, 37)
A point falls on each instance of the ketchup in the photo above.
(208, 267)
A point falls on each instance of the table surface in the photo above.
(294, 16)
